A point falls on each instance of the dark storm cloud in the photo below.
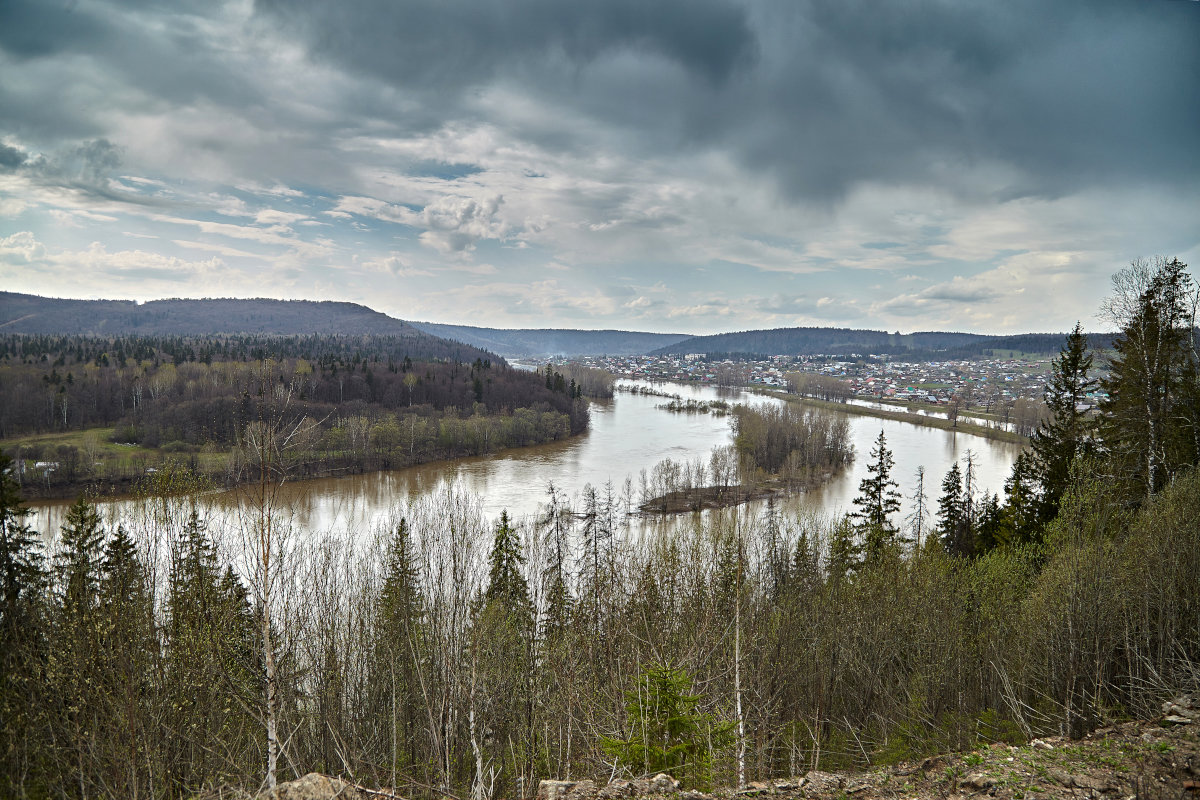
(11, 157)
(1046, 98)
(86, 168)
(454, 44)
(90, 55)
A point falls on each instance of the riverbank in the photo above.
(941, 423)
(64, 465)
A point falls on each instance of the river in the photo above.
(628, 434)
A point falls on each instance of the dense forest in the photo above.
(354, 403)
(447, 655)
(48, 316)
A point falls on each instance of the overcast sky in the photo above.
(687, 166)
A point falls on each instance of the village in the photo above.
(989, 385)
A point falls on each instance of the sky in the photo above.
(686, 166)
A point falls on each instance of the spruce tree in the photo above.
(878, 498)
(75, 659)
(506, 584)
(78, 561)
(1023, 501)
(400, 614)
(1067, 434)
(129, 661)
(845, 552)
(953, 524)
(22, 642)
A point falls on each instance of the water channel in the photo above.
(628, 434)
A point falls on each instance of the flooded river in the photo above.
(628, 434)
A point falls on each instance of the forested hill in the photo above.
(31, 314)
(848, 341)
(528, 342)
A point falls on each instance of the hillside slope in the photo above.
(1143, 760)
(32, 314)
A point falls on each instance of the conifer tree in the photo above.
(845, 552)
(953, 524)
(77, 563)
(1022, 501)
(1150, 421)
(129, 660)
(506, 584)
(502, 661)
(554, 578)
(878, 498)
(989, 528)
(22, 652)
(918, 520)
(1067, 434)
(74, 662)
(400, 610)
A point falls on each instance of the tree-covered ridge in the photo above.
(848, 342)
(361, 402)
(31, 314)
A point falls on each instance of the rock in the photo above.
(978, 781)
(582, 790)
(817, 782)
(1041, 744)
(663, 782)
(1059, 777)
(754, 788)
(567, 790)
(1182, 706)
(1183, 710)
(1088, 783)
(554, 790)
(314, 786)
(617, 788)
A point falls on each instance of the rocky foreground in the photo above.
(1156, 760)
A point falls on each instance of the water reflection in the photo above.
(628, 434)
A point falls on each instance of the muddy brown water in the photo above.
(628, 434)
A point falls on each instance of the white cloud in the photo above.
(21, 248)
(273, 216)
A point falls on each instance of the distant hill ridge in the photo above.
(534, 342)
(848, 341)
(32, 314)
